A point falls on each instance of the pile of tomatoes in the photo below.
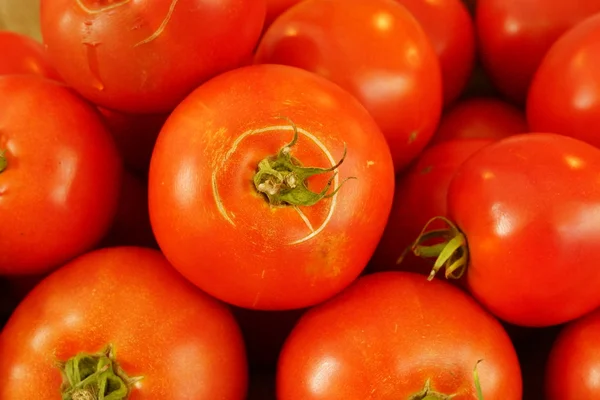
(301, 200)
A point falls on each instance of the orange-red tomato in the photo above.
(23, 55)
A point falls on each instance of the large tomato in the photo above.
(377, 51)
(146, 56)
(480, 118)
(23, 55)
(393, 335)
(565, 93)
(237, 181)
(277, 7)
(60, 175)
(449, 27)
(573, 363)
(524, 214)
(123, 317)
(514, 36)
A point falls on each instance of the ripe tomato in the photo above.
(178, 342)
(480, 118)
(449, 27)
(565, 93)
(420, 195)
(60, 175)
(573, 363)
(275, 8)
(230, 210)
(378, 52)
(527, 221)
(23, 55)
(393, 335)
(146, 56)
(514, 36)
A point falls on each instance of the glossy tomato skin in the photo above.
(277, 7)
(59, 191)
(514, 36)
(388, 334)
(565, 93)
(450, 28)
(480, 118)
(222, 234)
(184, 343)
(573, 362)
(528, 207)
(146, 56)
(377, 51)
(23, 55)
(421, 194)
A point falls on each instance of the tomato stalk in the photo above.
(450, 249)
(3, 160)
(282, 178)
(95, 377)
(428, 394)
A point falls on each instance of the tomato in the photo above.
(481, 118)
(174, 341)
(237, 205)
(572, 367)
(135, 135)
(525, 216)
(420, 195)
(565, 93)
(450, 29)
(374, 49)
(277, 7)
(146, 56)
(23, 55)
(514, 36)
(393, 335)
(60, 175)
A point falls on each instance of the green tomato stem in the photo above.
(3, 161)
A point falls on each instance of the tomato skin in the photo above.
(421, 194)
(23, 55)
(275, 8)
(514, 36)
(387, 334)
(573, 362)
(480, 118)
(242, 252)
(59, 192)
(146, 56)
(565, 93)
(450, 28)
(527, 205)
(389, 65)
(185, 344)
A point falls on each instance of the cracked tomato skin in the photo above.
(377, 51)
(184, 343)
(146, 56)
(222, 234)
(59, 192)
(528, 206)
(389, 333)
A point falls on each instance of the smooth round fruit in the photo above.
(23, 55)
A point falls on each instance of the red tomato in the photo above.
(277, 7)
(565, 93)
(420, 195)
(146, 56)
(449, 27)
(393, 335)
(178, 342)
(573, 363)
(514, 36)
(23, 55)
(378, 52)
(480, 118)
(526, 212)
(231, 210)
(135, 136)
(60, 175)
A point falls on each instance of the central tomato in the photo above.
(248, 189)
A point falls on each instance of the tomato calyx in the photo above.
(95, 377)
(282, 178)
(3, 161)
(428, 394)
(450, 249)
